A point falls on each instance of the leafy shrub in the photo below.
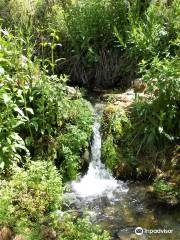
(75, 139)
(151, 32)
(115, 121)
(24, 12)
(89, 31)
(156, 121)
(162, 186)
(12, 145)
(90, 23)
(29, 196)
(48, 123)
(146, 43)
(164, 83)
(166, 191)
(39, 117)
(30, 199)
(81, 230)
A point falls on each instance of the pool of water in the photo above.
(121, 212)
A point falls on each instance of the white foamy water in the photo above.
(98, 181)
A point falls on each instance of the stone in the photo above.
(5, 233)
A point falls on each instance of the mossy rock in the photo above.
(114, 125)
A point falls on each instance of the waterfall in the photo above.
(98, 181)
(119, 207)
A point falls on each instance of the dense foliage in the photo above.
(102, 41)
(30, 202)
(115, 124)
(38, 115)
(152, 40)
(46, 126)
(43, 123)
(28, 196)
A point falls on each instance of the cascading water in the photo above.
(116, 206)
(98, 181)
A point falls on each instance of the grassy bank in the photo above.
(137, 145)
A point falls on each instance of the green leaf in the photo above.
(35, 125)
(17, 109)
(2, 164)
(2, 70)
(28, 141)
(16, 137)
(119, 37)
(30, 110)
(6, 98)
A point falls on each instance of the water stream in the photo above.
(98, 181)
(117, 206)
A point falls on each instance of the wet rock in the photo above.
(86, 155)
(128, 215)
(5, 233)
(123, 100)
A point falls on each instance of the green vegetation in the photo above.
(43, 123)
(46, 125)
(28, 205)
(152, 40)
(102, 41)
(114, 126)
(28, 198)
(166, 185)
(83, 229)
(166, 191)
(38, 115)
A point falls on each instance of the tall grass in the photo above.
(95, 34)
